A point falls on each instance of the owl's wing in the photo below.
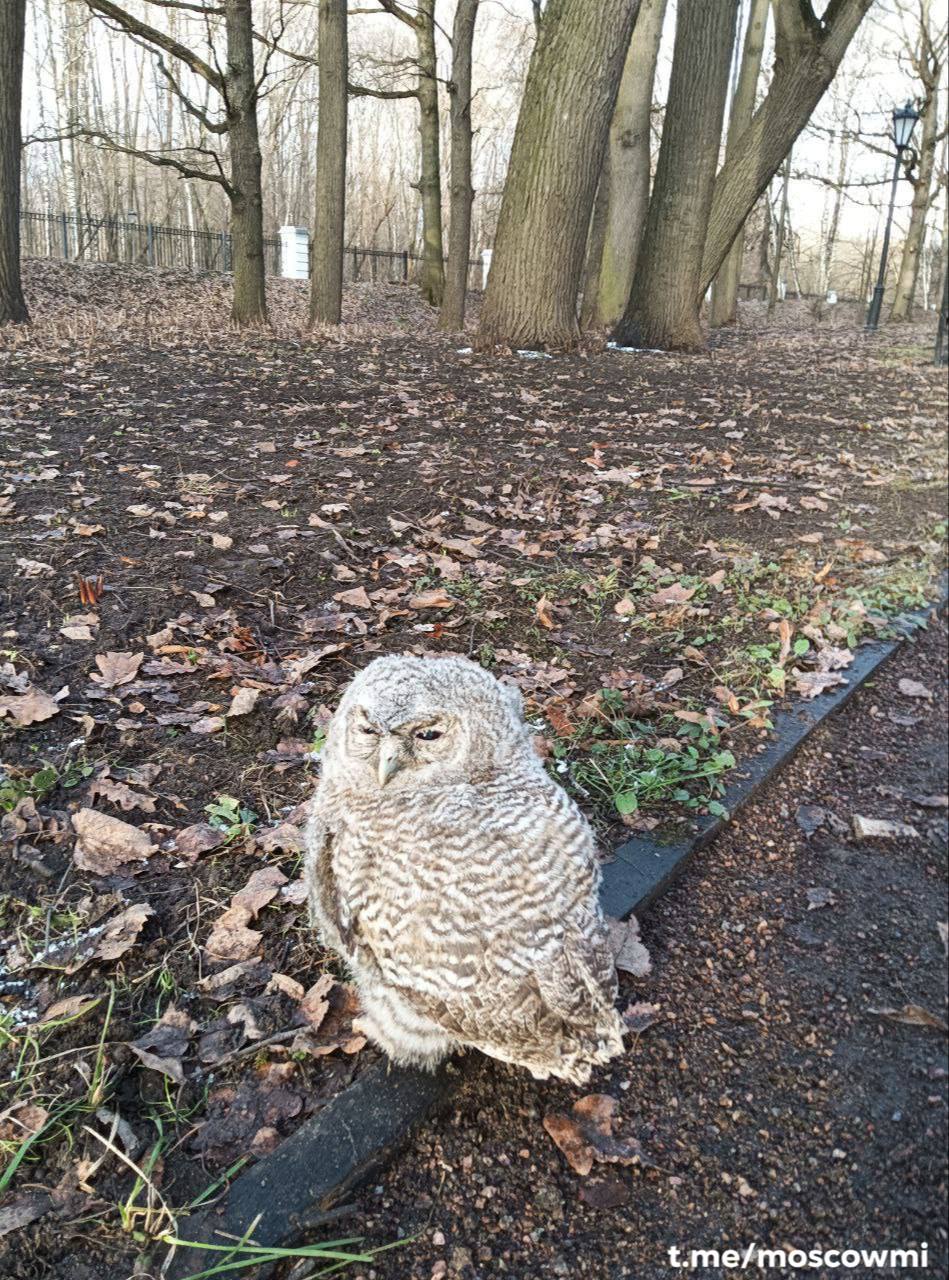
(323, 888)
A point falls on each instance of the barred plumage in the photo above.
(456, 880)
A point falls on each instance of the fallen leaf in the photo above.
(542, 612)
(283, 838)
(586, 1136)
(314, 1005)
(103, 843)
(207, 724)
(199, 838)
(629, 954)
(221, 541)
(676, 594)
(243, 702)
(261, 888)
(230, 939)
(24, 1209)
(121, 794)
(913, 689)
(356, 597)
(102, 942)
(811, 683)
(882, 829)
(913, 1015)
(817, 898)
(428, 600)
(116, 668)
(607, 1194)
(164, 1045)
(29, 708)
(640, 1016)
(70, 1007)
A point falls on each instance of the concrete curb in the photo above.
(364, 1125)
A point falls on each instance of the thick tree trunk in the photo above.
(663, 308)
(326, 283)
(623, 195)
(430, 181)
(574, 74)
(452, 318)
(808, 52)
(247, 206)
(12, 27)
(922, 199)
(724, 305)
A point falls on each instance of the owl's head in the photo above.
(406, 722)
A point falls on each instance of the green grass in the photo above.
(622, 766)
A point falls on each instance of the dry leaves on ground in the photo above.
(629, 952)
(30, 707)
(103, 843)
(914, 1015)
(107, 941)
(164, 1045)
(585, 1136)
(116, 669)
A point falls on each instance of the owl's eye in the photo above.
(367, 728)
(428, 735)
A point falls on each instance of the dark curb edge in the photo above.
(363, 1126)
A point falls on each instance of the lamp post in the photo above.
(904, 122)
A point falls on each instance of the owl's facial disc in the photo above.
(408, 746)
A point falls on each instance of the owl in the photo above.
(455, 879)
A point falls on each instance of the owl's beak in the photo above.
(391, 759)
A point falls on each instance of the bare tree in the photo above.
(238, 87)
(927, 53)
(562, 127)
(422, 24)
(663, 307)
(13, 308)
(622, 197)
(326, 284)
(808, 51)
(452, 316)
(724, 305)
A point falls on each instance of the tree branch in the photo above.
(135, 27)
(160, 161)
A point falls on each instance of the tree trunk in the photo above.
(724, 306)
(12, 34)
(452, 318)
(574, 74)
(623, 195)
(247, 206)
(922, 199)
(807, 54)
(430, 180)
(663, 307)
(326, 283)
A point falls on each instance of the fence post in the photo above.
(65, 230)
(150, 244)
(294, 253)
(355, 265)
(405, 266)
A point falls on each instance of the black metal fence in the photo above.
(83, 236)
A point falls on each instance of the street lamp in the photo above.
(904, 122)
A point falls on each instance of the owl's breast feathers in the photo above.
(478, 904)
